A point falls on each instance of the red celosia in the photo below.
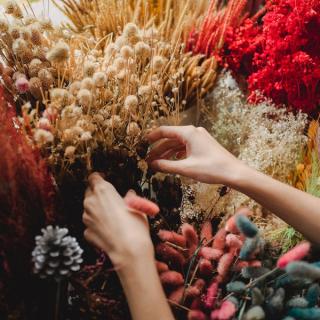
(26, 199)
(297, 253)
(281, 57)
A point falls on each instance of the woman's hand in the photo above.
(199, 155)
(111, 226)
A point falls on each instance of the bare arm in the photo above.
(205, 160)
(125, 237)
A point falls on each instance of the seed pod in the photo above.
(297, 253)
(246, 227)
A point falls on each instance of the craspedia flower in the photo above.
(158, 62)
(59, 53)
(36, 37)
(89, 69)
(131, 103)
(36, 87)
(130, 30)
(133, 129)
(99, 79)
(84, 97)
(87, 83)
(46, 78)
(4, 27)
(142, 49)
(19, 47)
(126, 52)
(34, 67)
(56, 254)
(43, 137)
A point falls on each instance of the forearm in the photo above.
(143, 289)
(297, 208)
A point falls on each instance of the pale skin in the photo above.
(194, 153)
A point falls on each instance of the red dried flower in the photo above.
(281, 57)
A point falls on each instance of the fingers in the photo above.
(169, 166)
(170, 132)
(163, 147)
(94, 179)
(141, 204)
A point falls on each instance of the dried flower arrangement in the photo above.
(85, 96)
(280, 56)
(228, 275)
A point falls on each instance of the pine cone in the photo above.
(56, 254)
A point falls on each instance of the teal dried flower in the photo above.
(304, 270)
(305, 314)
(312, 295)
(257, 298)
(56, 254)
(275, 304)
(246, 227)
(255, 313)
(249, 247)
(297, 302)
(236, 287)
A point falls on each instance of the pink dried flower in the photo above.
(171, 278)
(210, 253)
(220, 239)
(297, 253)
(225, 264)
(196, 315)
(170, 255)
(226, 311)
(211, 295)
(190, 292)
(231, 225)
(172, 237)
(191, 236)
(205, 268)
(161, 266)
(255, 263)
(233, 241)
(206, 231)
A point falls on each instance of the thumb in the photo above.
(141, 204)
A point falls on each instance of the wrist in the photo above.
(239, 176)
(136, 252)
